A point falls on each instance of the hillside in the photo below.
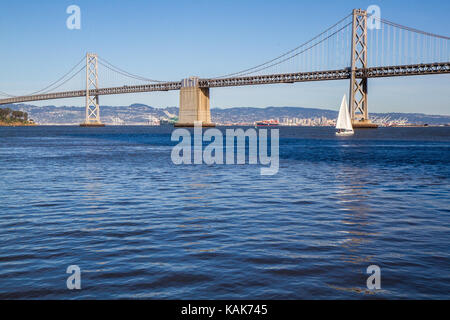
(139, 114)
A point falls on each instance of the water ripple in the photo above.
(111, 201)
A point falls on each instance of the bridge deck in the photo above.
(373, 72)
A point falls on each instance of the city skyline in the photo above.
(140, 114)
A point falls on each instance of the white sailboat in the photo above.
(344, 123)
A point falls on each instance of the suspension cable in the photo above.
(6, 94)
(411, 29)
(300, 52)
(63, 83)
(51, 85)
(287, 53)
(113, 68)
(44, 90)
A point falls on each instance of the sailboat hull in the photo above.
(344, 133)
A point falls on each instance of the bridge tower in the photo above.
(92, 118)
(194, 104)
(358, 104)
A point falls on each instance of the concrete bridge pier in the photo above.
(194, 104)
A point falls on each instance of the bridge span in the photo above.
(343, 74)
(395, 51)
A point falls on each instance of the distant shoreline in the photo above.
(16, 124)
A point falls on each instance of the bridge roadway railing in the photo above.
(166, 86)
(276, 78)
(406, 70)
(373, 72)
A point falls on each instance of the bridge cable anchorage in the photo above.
(285, 54)
(113, 68)
(50, 86)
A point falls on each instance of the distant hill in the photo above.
(132, 114)
(139, 114)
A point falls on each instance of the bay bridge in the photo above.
(356, 48)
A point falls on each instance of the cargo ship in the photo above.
(267, 123)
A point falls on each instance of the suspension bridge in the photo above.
(350, 49)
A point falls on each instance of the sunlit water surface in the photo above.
(111, 201)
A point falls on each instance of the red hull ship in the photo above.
(267, 123)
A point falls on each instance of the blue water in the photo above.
(110, 201)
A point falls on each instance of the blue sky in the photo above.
(171, 40)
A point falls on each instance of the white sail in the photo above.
(344, 122)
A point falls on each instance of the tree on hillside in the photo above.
(20, 115)
(8, 114)
(17, 114)
(5, 113)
